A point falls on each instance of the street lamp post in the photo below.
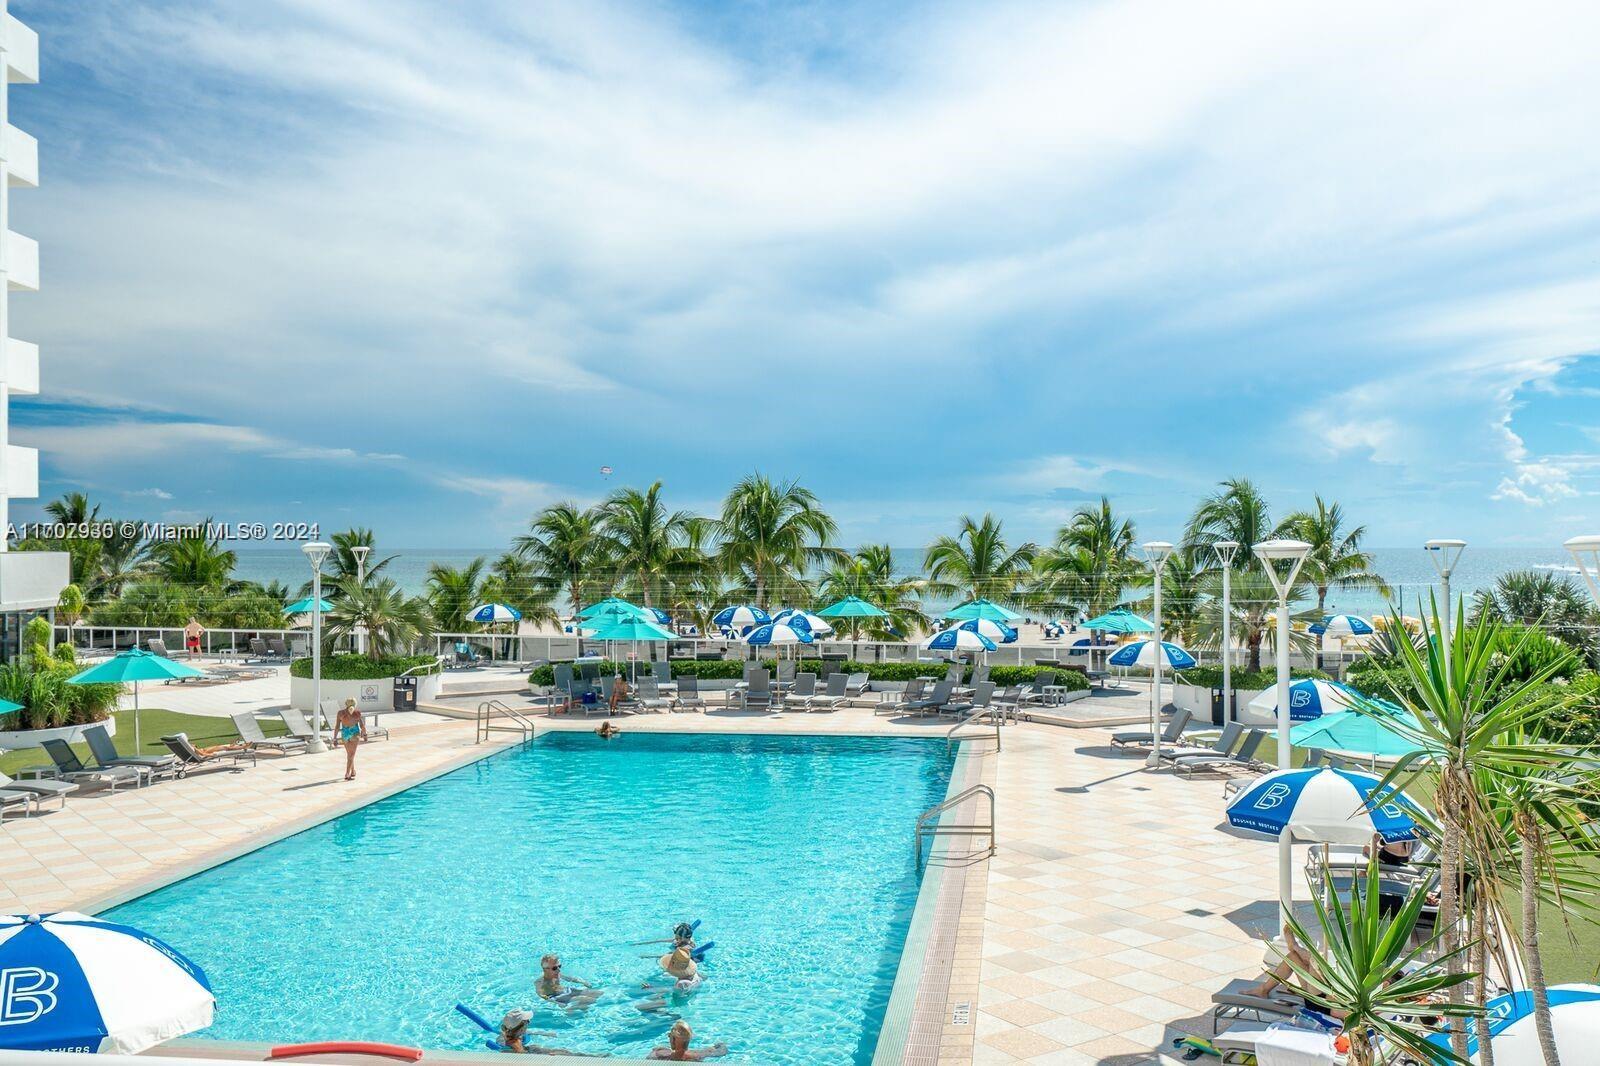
(360, 552)
(1445, 554)
(1586, 553)
(316, 551)
(1156, 553)
(1226, 550)
(1292, 553)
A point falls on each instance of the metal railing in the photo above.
(939, 829)
(997, 714)
(520, 723)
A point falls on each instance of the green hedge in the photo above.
(729, 669)
(362, 667)
(1243, 680)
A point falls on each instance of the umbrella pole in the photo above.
(1285, 878)
(138, 746)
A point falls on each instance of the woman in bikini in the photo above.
(352, 730)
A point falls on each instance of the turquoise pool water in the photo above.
(794, 852)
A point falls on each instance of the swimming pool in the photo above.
(794, 852)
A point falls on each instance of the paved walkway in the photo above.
(1110, 914)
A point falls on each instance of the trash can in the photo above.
(1221, 715)
(405, 693)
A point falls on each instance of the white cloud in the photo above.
(1536, 484)
(152, 493)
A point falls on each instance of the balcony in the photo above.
(32, 581)
(20, 477)
(22, 262)
(22, 53)
(22, 158)
(21, 370)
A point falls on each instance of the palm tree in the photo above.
(1366, 970)
(564, 548)
(391, 621)
(73, 509)
(452, 593)
(1539, 812)
(1553, 603)
(869, 574)
(513, 581)
(1238, 512)
(122, 557)
(1470, 717)
(1336, 559)
(645, 543)
(1091, 562)
(771, 534)
(977, 563)
(196, 561)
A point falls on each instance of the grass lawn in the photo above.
(153, 725)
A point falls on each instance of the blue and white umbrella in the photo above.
(997, 632)
(1574, 1014)
(1343, 625)
(958, 639)
(777, 634)
(656, 615)
(494, 612)
(738, 617)
(816, 625)
(1327, 806)
(1308, 699)
(1143, 653)
(70, 982)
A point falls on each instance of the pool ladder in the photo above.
(518, 722)
(938, 829)
(997, 714)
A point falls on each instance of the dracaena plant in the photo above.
(1369, 971)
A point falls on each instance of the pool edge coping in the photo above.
(932, 914)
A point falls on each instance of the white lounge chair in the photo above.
(40, 790)
(250, 732)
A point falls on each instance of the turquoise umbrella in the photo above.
(852, 607)
(133, 665)
(632, 630)
(981, 608)
(6, 706)
(307, 605)
(1120, 620)
(1354, 731)
(612, 605)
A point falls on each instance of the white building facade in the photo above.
(30, 582)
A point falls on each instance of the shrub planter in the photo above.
(370, 694)
(15, 739)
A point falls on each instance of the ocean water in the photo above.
(793, 852)
(1408, 571)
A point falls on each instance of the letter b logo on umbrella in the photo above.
(27, 994)
(1274, 796)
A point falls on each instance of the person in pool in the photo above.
(551, 988)
(607, 730)
(514, 1033)
(352, 730)
(682, 973)
(677, 1049)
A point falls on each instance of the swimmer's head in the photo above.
(679, 1035)
(550, 964)
(515, 1021)
(683, 931)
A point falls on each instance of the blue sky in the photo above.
(427, 267)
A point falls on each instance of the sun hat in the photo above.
(679, 963)
(516, 1018)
